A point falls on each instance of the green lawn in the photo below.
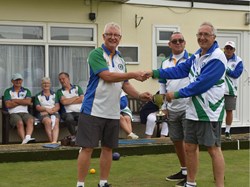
(130, 171)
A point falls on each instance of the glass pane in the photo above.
(162, 53)
(72, 34)
(26, 60)
(21, 32)
(72, 60)
(130, 54)
(165, 35)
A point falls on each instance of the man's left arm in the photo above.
(130, 90)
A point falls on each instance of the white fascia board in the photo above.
(170, 3)
(160, 3)
(221, 6)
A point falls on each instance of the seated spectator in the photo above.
(70, 97)
(17, 99)
(150, 126)
(47, 105)
(148, 117)
(126, 117)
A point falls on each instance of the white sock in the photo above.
(190, 184)
(184, 170)
(53, 121)
(27, 137)
(228, 127)
(80, 184)
(102, 182)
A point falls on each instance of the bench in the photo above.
(134, 104)
(6, 127)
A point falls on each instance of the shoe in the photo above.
(133, 136)
(105, 185)
(72, 143)
(28, 140)
(181, 183)
(66, 141)
(228, 136)
(176, 177)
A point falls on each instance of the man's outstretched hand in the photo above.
(145, 96)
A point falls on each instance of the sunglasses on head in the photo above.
(229, 48)
(175, 41)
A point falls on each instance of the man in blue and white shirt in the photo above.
(205, 107)
(233, 72)
(100, 112)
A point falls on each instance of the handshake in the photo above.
(142, 75)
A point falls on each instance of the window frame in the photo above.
(72, 42)
(24, 41)
(46, 42)
(156, 39)
(138, 54)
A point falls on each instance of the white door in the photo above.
(242, 40)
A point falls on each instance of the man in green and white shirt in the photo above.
(70, 97)
(17, 99)
(234, 71)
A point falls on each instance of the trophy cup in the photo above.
(159, 99)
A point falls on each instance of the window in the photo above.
(25, 48)
(72, 60)
(26, 59)
(72, 34)
(21, 32)
(130, 54)
(161, 35)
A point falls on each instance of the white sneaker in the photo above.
(27, 140)
(133, 136)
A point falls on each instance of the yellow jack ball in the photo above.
(92, 171)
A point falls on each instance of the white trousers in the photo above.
(150, 125)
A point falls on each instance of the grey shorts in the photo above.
(91, 129)
(230, 102)
(176, 125)
(203, 133)
(71, 116)
(15, 117)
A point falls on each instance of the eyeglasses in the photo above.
(175, 41)
(205, 35)
(229, 48)
(109, 35)
(46, 83)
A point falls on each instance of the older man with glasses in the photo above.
(100, 112)
(234, 71)
(205, 109)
